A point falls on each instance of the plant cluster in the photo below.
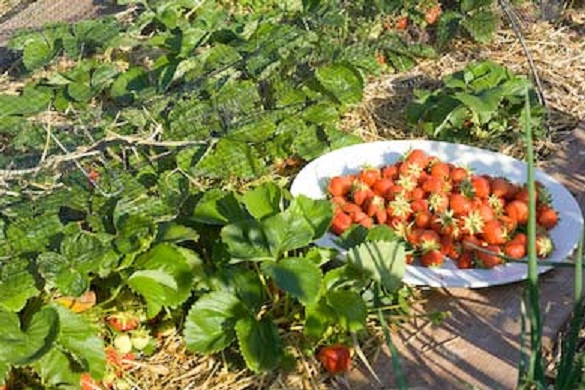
(482, 101)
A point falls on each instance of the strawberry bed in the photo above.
(147, 234)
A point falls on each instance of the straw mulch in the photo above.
(558, 51)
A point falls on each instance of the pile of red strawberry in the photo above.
(443, 210)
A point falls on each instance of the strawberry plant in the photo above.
(482, 101)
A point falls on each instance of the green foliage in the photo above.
(219, 99)
(259, 343)
(164, 277)
(484, 100)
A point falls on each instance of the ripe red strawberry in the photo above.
(449, 248)
(433, 184)
(367, 222)
(382, 186)
(336, 359)
(86, 382)
(390, 172)
(413, 236)
(501, 187)
(358, 217)
(423, 219)
(547, 217)
(418, 194)
(373, 205)
(339, 185)
(361, 193)
(520, 238)
(522, 194)
(338, 201)
(418, 157)
(402, 23)
(123, 322)
(465, 260)
(393, 192)
(369, 175)
(481, 186)
(341, 222)
(518, 210)
(489, 259)
(494, 233)
(486, 212)
(419, 205)
(441, 170)
(432, 258)
(460, 204)
(381, 216)
(515, 250)
(458, 174)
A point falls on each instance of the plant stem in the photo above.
(535, 371)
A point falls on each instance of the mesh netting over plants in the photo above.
(147, 235)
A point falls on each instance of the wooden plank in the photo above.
(478, 344)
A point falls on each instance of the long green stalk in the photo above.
(535, 370)
(566, 372)
(398, 373)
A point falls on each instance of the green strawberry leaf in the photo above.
(59, 271)
(135, 233)
(317, 212)
(259, 343)
(350, 309)
(25, 347)
(163, 277)
(264, 200)
(384, 262)
(287, 231)
(310, 142)
(342, 82)
(210, 323)
(81, 338)
(318, 318)
(37, 52)
(481, 25)
(245, 284)
(57, 369)
(17, 285)
(218, 207)
(175, 233)
(297, 276)
(230, 158)
(247, 240)
(4, 370)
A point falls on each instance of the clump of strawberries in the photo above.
(442, 210)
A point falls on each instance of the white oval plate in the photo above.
(313, 178)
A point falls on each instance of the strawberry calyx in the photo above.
(472, 223)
